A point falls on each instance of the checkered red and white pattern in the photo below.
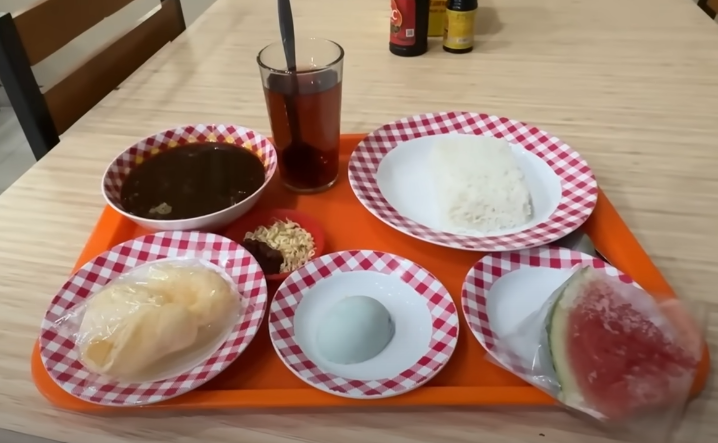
(445, 322)
(579, 190)
(57, 348)
(233, 135)
(492, 267)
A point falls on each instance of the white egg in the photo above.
(354, 330)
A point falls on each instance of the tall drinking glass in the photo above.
(311, 99)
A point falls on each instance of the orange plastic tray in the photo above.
(258, 379)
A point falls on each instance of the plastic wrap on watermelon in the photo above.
(611, 351)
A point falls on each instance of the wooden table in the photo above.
(633, 85)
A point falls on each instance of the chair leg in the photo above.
(23, 91)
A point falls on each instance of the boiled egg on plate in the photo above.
(355, 329)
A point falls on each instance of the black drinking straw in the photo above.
(286, 28)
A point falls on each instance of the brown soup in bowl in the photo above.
(191, 180)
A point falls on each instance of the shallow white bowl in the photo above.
(236, 135)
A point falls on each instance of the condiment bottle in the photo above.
(409, 27)
(459, 26)
(437, 14)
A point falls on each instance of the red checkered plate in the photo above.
(397, 192)
(57, 348)
(424, 315)
(504, 291)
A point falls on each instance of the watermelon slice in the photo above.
(614, 352)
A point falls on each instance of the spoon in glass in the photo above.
(286, 28)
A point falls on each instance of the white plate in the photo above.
(425, 319)
(390, 173)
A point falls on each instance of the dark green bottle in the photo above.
(459, 26)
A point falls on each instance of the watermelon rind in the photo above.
(564, 299)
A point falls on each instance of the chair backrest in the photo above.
(29, 37)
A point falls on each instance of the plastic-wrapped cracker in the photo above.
(126, 329)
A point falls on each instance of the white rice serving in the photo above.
(479, 185)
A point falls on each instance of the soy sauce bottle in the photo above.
(459, 26)
(409, 27)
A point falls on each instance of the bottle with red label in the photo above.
(409, 27)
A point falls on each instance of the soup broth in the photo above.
(191, 181)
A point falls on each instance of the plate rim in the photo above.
(367, 192)
(209, 367)
(323, 262)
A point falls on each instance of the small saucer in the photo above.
(425, 318)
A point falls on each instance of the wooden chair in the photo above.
(29, 37)
(710, 7)
(713, 5)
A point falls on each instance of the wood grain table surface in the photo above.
(632, 85)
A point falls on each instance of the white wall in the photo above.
(50, 70)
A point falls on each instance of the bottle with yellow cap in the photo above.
(459, 26)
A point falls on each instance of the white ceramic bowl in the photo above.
(236, 135)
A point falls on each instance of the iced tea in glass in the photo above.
(314, 91)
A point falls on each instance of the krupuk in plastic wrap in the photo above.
(610, 350)
(159, 319)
